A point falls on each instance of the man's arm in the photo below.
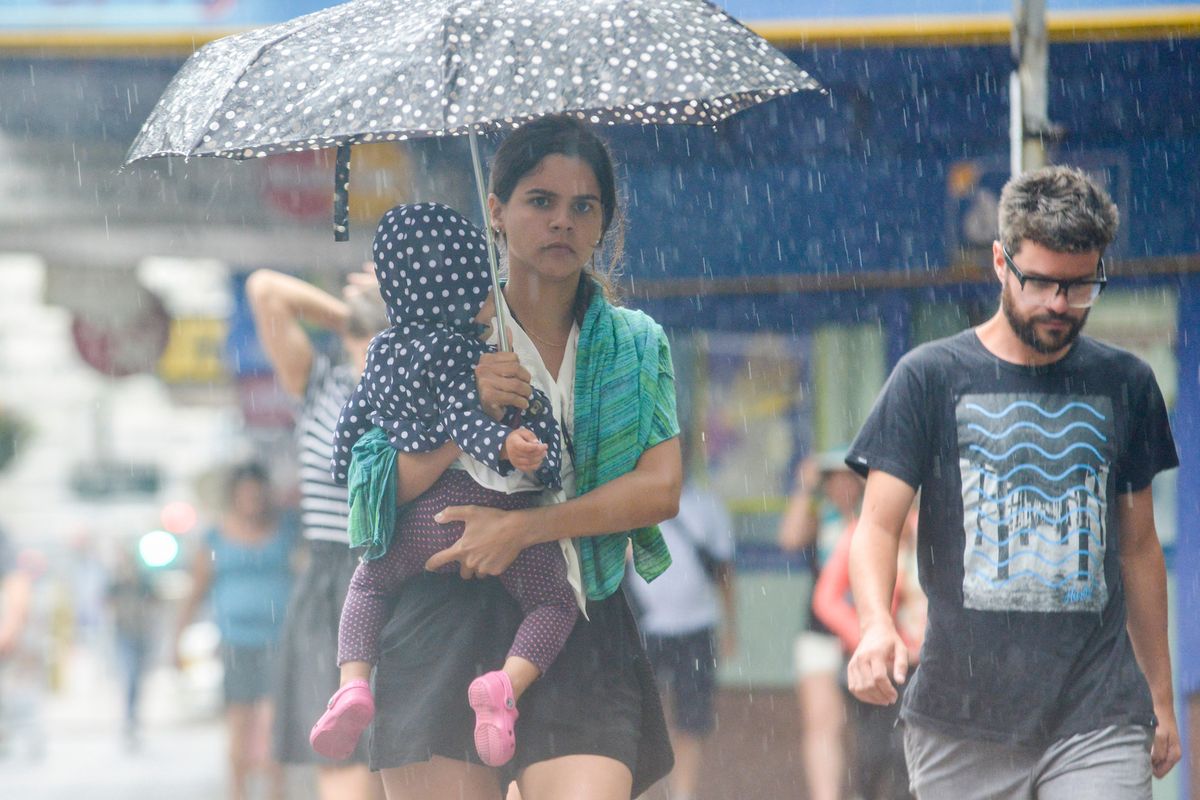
(881, 657)
(1145, 575)
(279, 304)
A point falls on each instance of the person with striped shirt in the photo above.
(284, 309)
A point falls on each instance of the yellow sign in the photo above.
(193, 353)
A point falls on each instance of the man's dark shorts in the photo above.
(686, 667)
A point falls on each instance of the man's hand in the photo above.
(502, 383)
(524, 450)
(490, 541)
(1166, 751)
(880, 651)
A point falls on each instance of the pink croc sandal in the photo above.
(350, 711)
(491, 696)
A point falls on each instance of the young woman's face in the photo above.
(250, 498)
(553, 220)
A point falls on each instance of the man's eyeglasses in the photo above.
(1080, 293)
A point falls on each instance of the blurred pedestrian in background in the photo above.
(244, 563)
(823, 506)
(877, 770)
(688, 619)
(282, 305)
(133, 605)
(16, 591)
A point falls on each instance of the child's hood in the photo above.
(432, 265)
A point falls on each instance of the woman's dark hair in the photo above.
(249, 471)
(523, 151)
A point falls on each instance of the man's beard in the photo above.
(1026, 329)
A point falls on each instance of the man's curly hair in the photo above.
(1060, 208)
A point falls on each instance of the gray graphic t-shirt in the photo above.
(1021, 470)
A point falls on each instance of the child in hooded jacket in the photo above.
(418, 391)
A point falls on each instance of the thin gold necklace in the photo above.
(513, 314)
(543, 341)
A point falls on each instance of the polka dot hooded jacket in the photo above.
(419, 381)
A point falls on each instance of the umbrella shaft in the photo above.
(493, 262)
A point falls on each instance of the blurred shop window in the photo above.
(848, 370)
(1145, 322)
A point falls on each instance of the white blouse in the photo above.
(561, 392)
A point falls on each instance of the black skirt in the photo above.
(308, 670)
(598, 698)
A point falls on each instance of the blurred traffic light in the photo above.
(178, 517)
(158, 549)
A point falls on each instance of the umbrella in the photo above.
(388, 70)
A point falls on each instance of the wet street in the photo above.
(180, 754)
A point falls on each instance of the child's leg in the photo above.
(537, 578)
(373, 588)
(366, 609)
(368, 604)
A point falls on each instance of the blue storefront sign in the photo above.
(141, 15)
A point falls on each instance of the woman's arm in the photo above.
(799, 523)
(279, 303)
(202, 576)
(644, 496)
(16, 590)
(829, 602)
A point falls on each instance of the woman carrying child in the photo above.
(416, 392)
(591, 727)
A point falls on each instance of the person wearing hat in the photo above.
(823, 505)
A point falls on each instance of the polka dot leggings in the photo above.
(537, 578)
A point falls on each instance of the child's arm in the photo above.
(476, 433)
(416, 472)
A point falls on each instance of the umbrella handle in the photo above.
(493, 262)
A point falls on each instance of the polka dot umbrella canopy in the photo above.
(387, 70)
(374, 70)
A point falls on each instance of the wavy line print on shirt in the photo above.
(985, 473)
(1024, 511)
(1059, 507)
(980, 535)
(1028, 487)
(1020, 553)
(1027, 404)
(1048, 434)
(1029, 446)
(1068, 578)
